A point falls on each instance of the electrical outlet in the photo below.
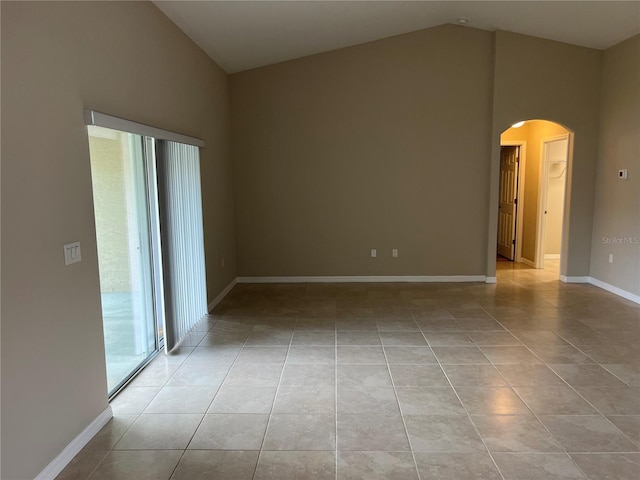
(611, 258)
(374, 253)
(394, 253)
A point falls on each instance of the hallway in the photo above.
(529, 378)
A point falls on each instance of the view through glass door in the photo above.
(125, 254)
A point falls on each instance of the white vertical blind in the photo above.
(182, 233)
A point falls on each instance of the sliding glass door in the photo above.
(149, 230)
(125, 253)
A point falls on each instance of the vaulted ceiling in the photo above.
(240, 35)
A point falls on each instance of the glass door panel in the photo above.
(124, 251)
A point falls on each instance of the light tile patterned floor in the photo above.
(527, 379)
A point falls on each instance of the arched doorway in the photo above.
(534, 167)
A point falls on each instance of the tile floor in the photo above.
(527, 379)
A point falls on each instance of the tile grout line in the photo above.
(141, 413)
(214, 396)
(275, 397)
(404, 423)
(151, 401)
(467, 412)
(527, 405)
(100, 462)
(601, 365)
(566, 383)
(479, 298)
(205, 412)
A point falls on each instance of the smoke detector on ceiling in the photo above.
(463, 21)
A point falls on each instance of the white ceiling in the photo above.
(240, 35)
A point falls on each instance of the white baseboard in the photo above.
(603, 285)
(527, 262)
(366, 279)
(414, 279)
(565, 279)
(613, 289)
(54, 468)
(222, 294)
(551, 256)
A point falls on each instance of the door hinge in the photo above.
(513, 242)
(515, 201)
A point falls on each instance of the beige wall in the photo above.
(543, 79)
(383, 145)
(617, 206)
(532, 132)
(122, 58)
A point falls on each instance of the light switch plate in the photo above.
(72, 253)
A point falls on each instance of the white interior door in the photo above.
(507, 206)
(555, 155)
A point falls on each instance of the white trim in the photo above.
(565, 279)
(528, 262)
(54, 468)
(92, 117)
(551, 256)
(615, 290)
(490, 280)
(520, 192)
(365, 279)
(222, 294)
(603, 285)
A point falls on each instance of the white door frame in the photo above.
(520, 194)
(542, 196)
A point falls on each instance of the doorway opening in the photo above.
(150, 241)
(534, 160)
